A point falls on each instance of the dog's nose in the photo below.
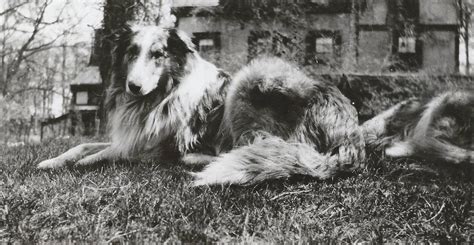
(134, 88)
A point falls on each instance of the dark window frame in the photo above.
(312, 57)
(406, 24)
(215, 36)
(94, 93)
(332, 7)
(407, 61)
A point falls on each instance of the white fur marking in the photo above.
(201, 79)
(400, 149)
(72, 155)
(146, 71)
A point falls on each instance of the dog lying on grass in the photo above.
(164, 99)
(282, 123)
(439, 129)
(270, 121)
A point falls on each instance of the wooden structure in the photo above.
(87, 94)
(83, 116)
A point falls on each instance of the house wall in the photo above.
(373, 12)
(437, 32)
(438, 12)
(439, 51)
(439, 19)
(374, 51)
(234, 35)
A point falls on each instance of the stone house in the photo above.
(363, 36)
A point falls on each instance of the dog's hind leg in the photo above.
(73, 154)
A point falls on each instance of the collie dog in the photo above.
(164, 100)
(439, 129)
(269, 121)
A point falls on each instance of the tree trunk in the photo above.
(466, 41)
(116, 15)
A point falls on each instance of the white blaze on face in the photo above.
(144, 69)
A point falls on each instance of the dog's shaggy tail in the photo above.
(267, 158)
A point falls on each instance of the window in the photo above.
(207, 41)
(407, 45)
(321, 2)
(82, 98)
(207, 44)
(323, 47)
(194, 3)
(407, 53)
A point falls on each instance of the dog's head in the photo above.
(151, 57)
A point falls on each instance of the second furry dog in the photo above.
(439, 129)
(282, 123)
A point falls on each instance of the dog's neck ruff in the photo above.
(126, 124)
(195, 93)
(142, 123)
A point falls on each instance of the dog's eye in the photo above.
(157, 54)
(133, 51)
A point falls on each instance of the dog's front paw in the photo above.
(218, 173)
(400, 149)
(51, 163)
(197, 159)
(87, 161)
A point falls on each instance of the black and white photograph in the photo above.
(236, 121)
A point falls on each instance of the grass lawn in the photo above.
(147, 201)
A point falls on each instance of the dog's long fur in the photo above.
(181, 111)
(283, 123)
(177, 111)
(440, 129)
(275, 121)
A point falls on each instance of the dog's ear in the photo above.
(178, 43)
(121, 38)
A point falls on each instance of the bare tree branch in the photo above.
(20, 91)
(13, 8)
(29, 61)
(12, 69)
